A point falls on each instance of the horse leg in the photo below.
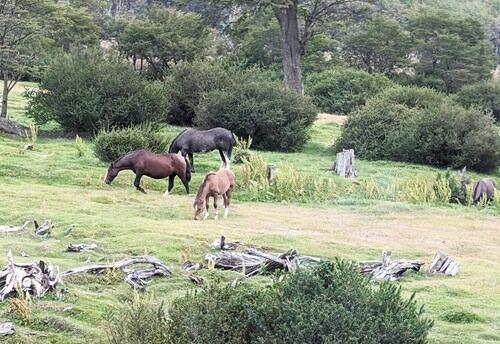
(170, 184)
(206, 205)
(215, 207)
(226, 205)
(186, 183)
(137, 183)
(223, 158)
(191, 160)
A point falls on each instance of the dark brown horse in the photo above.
(214, 184)
(157, 166)
(485, 188)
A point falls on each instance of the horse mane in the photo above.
(122, 157)
(203, 183)
(175, 139)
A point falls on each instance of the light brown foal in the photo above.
(214, 184)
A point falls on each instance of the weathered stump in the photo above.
(344, 164)
(442, 263)
(271, 173)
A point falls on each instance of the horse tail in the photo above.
(188, 169)
(173, 145)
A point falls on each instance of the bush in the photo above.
(422, 126)
(110, 145)
(330, 303)
(274, 117)
(484, 94)
(343, 90)
(87, 92)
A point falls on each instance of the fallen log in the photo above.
(135, 277)
(7, 328)
(80, 247)
(389, 270)
(35, 278)
(10, 228)
(13, 128)
(442, 263)
(43, 229)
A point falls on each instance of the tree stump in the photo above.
(271, 173)
(344, 164)
(442, 263)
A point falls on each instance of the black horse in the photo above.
(192, 140)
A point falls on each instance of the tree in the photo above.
(20, 22)
(299, 21)
(379, 46)
(161, 37)
(450, 51)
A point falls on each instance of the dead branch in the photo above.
(389, 270)
(35, 278)
(10, 228)
(135, 277)
(80, 247)
(43, 229)
(7, 328)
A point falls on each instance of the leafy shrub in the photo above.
(461, 317)
(241, 149)
(274, 117)
(112, 144)
(343, 90)
(484, 94)
(87, 92)
(422, 126)
(331, 302)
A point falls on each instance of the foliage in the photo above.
(451, 51)
(274, 117)
(483, 94)
(330, 302)
(343, 90)
(87, 92)
(398, 125)
(241, 149)
(161, 37)
(322, 53)
(139, 320)
(110, 145)
(187, 82)
(380, 45)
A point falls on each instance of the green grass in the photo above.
(52, 182)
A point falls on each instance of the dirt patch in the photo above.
(325, 118)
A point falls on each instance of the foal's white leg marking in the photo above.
(216, 214)
(166, 193)
(206, 215)
(226, 211)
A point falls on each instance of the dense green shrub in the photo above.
(343, 90)
(187, 82)
(110, 145)
(274, 117)
(328, 303)
(419, 125)
(484, 94)
(87, 92)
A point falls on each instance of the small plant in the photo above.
(20, 306)
(241, 149)
(81, 148)
(32, 134)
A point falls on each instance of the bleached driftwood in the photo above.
(442, 263)
(43, 229)
(35, 278)
(344, 164)
(7, 328)
(135, 277)
(190, 266)
(9, 228)
(221, 244)
(253, 262)
(80, 247)
(389, 270)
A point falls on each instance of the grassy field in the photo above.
(52, 182)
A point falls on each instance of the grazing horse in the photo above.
(192, 140)
(157, 166)
(214, 184)
(484, 188)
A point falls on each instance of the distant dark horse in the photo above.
(157, 166)
(193, 140)
(485, 188)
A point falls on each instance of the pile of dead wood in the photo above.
(388, 269)
(251, 261)
(41, 230)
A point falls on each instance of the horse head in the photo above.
(199, 206)
(111, 174)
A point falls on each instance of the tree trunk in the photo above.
(290, 36)
(5, 96)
